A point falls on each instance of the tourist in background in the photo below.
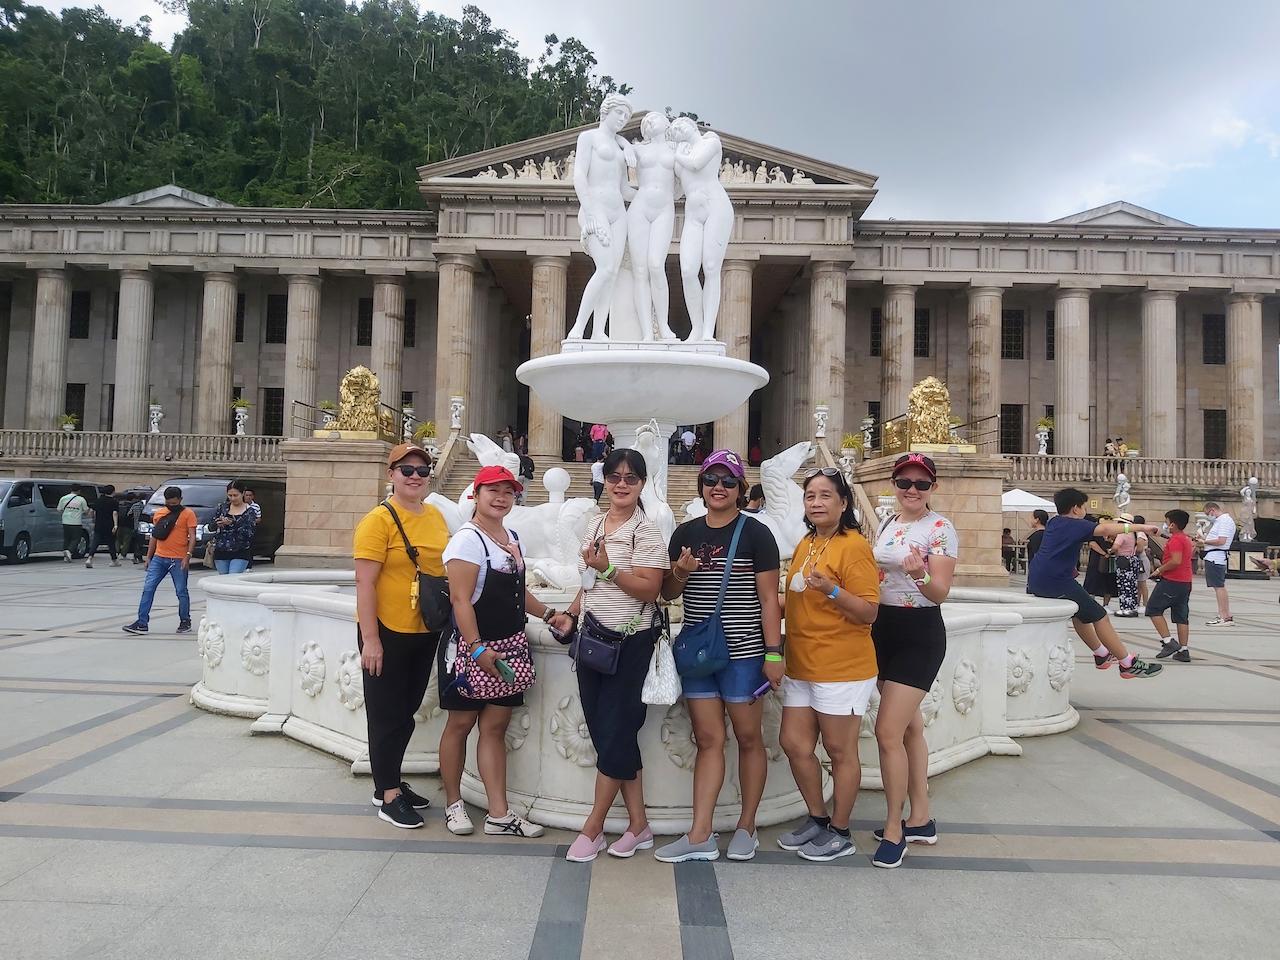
(597, 479)
(72, 507)
(755, 499)
(1125, 551)
(1053, 575)
(1142, 551)
(1109, 451)
(106, 521)
(624, 558)
(916, 551)
(232, 526)
(599, 433)
(752, 620)
(490, 602)
(1100, 570)
(1217, 542)
(396, 648)
(1173, 591)
(135, 516)
(125, 526)
(1008, 549)
(172, 542)
(1038, 520)
(687, 439)
(832, 598)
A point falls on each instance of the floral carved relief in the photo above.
(964, 686)
(1020, 672)
(312, 668)
(931, 703)
(211, 643)
(570, 733)
(1061, 666)
(255, 651)
(350, 681)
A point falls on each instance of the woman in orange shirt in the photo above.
(833, 595)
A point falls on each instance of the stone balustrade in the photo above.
(159, 447)
(1210, 474)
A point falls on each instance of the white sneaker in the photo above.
(1220, 622)
(88, 563)
(456, 819)
(512, 825)
(66, 556)
(115, 563)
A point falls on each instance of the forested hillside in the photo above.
(270, 102)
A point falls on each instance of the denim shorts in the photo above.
(734, 684)
(1088, 610)
(1215, 574)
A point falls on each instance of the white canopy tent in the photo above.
(1018, 500)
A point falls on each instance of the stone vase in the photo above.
(242, 418)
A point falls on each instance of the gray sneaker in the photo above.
(743, 846)
(829, 845)
(678, 851)
(801, 835)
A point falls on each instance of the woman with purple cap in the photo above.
(752, 620)
(916, 550)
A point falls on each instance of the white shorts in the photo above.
(840, 699)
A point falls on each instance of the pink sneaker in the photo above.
(629, 843)
(584, 849)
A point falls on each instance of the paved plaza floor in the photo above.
(134, 825)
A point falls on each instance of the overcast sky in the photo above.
(982, 110)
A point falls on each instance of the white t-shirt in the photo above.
(597, 471)
(932, 533)
(466, 545)
(1223, 526)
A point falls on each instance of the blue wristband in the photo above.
(835, 592)
(475, 654)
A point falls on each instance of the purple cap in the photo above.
(727, 459)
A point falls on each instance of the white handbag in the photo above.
(662, 683)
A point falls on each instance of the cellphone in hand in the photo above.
(760, 691)
(504, 669)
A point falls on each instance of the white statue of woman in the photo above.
(600, 181)
(1121, 496)
(651, 218)
(708, 224)
(1249, 509)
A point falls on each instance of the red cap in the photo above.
(497, 474)
(915, 460)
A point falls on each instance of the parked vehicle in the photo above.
(29, 519)
(204, 494)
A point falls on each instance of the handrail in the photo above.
(1186, 472)
(161, 447)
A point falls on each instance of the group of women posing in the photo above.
(858, 619)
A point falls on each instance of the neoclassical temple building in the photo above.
(1115, 322)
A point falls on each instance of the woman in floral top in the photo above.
(232, 527)
(916, 551)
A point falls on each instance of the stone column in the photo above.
(1244, 376)
(1071, 366)
(453, 336)
(1159, 373)
(985, 305)
(826, 336)
(388, 337)
(133, 352)
(52, 327)
(217, 340)
(734, 328)
(897, 349)
(550, 297)
(303, 339)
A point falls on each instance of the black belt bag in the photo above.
(597, 647)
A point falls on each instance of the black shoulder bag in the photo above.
(433, 592)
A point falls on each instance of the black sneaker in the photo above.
(416, 800)
(136, 627)
(398, 813)
(184, 626)
(1183, 655)
(925, 833)
(1168, 649)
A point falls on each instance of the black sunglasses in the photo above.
(728, 482)
(630, 479)
(902, 483)
(408, 470)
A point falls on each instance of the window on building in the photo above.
(364, 322)
(74, 402)
(1215, 434)
(873, 411)
(411, 323)
(115, 316)
(1013, 324)
(277, 318)
(1011, 428)
(406, 398)
(1215, 339)
(1049, 333)
(273, 411)
(922, 332)
(239, 318)
(1048, 412)
(108, 417)
(877, 332)
(81, 301)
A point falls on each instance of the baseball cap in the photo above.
(402, 450)
(727, 459)
(915, 460)
(497, 474)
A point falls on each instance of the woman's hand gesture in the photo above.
(914, 564)
(596, 556)
(561, 622)
(816, 580)
(686, 563)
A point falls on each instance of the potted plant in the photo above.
(425, 437)
(157, 414)
(69, 422)
(1043, 427)
(329, 413)
(240, 406)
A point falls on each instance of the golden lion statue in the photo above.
(358, 400)
(929, 412)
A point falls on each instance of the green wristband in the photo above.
(609, 573)
(773, 658)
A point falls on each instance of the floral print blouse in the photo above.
(932, 533)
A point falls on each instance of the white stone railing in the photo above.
(159, 447)
(1229, 474)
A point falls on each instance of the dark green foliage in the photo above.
(270, 102)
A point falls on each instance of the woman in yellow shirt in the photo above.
(396, 649)
(833, 596)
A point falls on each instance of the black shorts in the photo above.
(911, 643)
(1174, 596)
(451, 699)
(1088, 610)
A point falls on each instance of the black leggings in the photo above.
(391, 699)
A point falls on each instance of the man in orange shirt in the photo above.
(173, 540)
